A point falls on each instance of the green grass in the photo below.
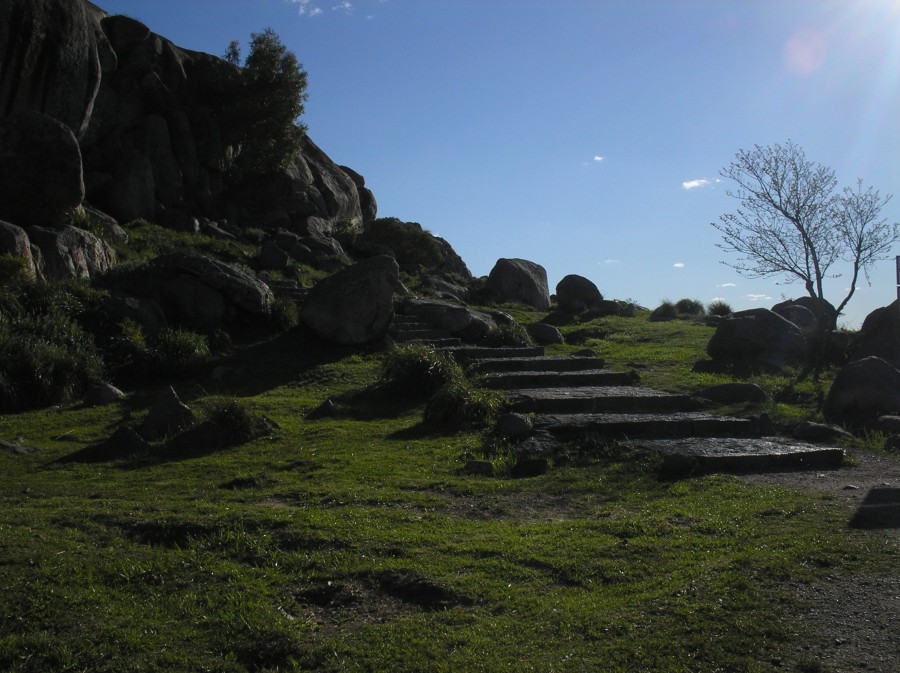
(356, 542)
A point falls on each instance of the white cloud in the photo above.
(758, 297)
(597, 157)
(346, 6)
(727, 285)
(305, 7)
(694, 184)
(678, 265)
(611, 261)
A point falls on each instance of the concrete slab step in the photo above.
(541, 363)
(439, 343)
(468, 354)
(538, 379)
(686, 457)
(597, 399)
(673, 425)
(410, 334)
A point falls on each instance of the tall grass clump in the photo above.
(509, 334)
(416, 369)
(460, 404)
(176, 351)
(665, 311)
(719, 308)
(690, 307)
(234, 419)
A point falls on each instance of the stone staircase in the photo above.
(574, 396)
(412, 330)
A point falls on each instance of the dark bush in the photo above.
(690, 307)
(665, 311)
(458, 403)
(419, 370)
(177, 351)
(509, 334)
(719, 308)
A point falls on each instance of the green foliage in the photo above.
(284, 315)
(665, 311)
(45, 359)
(509, 334)
(178, 351)
(12, 268)
(720, 308)
(690, 307)
(460, 404)
(418, 370)
(234, 418)
(413, 246)
(268, 93)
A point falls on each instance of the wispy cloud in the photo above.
(679, 265)
(306, 7)
(611, 261)
(345, 6)
(694, 184)
(727, 285)
(758, 297)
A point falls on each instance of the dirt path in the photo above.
(856, 621)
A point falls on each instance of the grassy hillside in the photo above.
(356, 543)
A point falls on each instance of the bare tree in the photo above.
(793, 220)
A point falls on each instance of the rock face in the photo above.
(460, 321)
(60, 81)
(761, 336)
(147, 118)
(353, 306)
(577, 293)
(801, 316)
(200, 292)
(519, 281)
(71, 252)
(40, 170)
(14, 241)
(862, 392)
(813, 305)
(880, 336)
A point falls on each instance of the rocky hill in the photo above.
(146, 115)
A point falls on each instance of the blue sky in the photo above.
(584, 135)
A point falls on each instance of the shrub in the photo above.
(45, 359)
(689, 307)
(665, 311)
(12, 268)
(509, 334)
(179, 350)
(458, 403)
(720, 308)
(416, 369)
(284, 315)
(234, 419)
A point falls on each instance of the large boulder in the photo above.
(519, 281)
(460, 321)
(14, 241)
(40, 170)
(50, 60)
(815, 306)
(200, 292)
(758, 336)
(863, 391)
(880, 336)
(353, 306)
(801, 316)
(577, 293)
(72, 253)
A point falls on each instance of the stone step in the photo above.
(404, 321)
(438, 343)
(411, 334)
(539, 379)
(686, 457)
(597, 399)
(466, 354)
(646, 426)
(541, 363)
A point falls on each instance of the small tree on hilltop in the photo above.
(793, 220)
(268, 90)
